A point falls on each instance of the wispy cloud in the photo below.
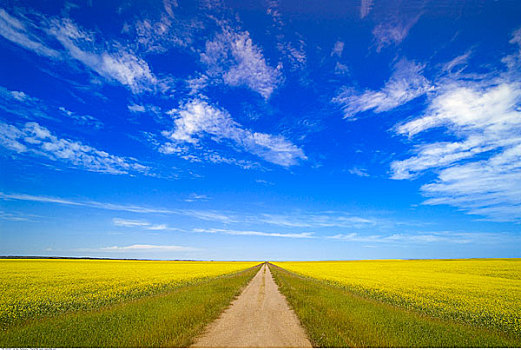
(457, 64)
(157, 35)
(316, 220)
(231, 57)
(427, 238)
(194, 197)
(134, 108)
(293, 49)
(207, 215)
(405, 84)
(118, 63)
(255, 233)
(393, 31)
(358, 172)
(145, 248)
(142, 224)
(197, 118)
(22, 32)
(338, 48)
(40, 142)
(197, 154)
(20, 104)
(365, 7)
(480, 171)
(84, 120)
(28, 107)
(17, 216)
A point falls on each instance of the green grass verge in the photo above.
(170, 319)
(335, 317)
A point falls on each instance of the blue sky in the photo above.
(260, 130)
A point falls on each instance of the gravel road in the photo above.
(259, 318)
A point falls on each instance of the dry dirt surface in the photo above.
(259, 318)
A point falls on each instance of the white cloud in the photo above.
(17, 32)
(158, 35)
(28, 107)
(119, 65)
(256, 233)
(316, 220)
(341, 69)
(233, 58)
(86, 120)
(207, 215)
(136, 108)
(20, 104)
(17, 216)
(480, 171)
(147, 248)
(358, 172)
(197, 118)
(365, 7)
(513, 61)
(338, 48)
(39, 141)
(405, 84)
(293, 51)
(393, 31)
(19, 95)
(194, 197)
(187, 153)
(457, 64)
(142, 224)
(422, 238)
(130, 223)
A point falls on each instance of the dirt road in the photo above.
(260, 317)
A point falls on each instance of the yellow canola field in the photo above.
(45, 287)
(484, 292)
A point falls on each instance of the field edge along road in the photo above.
(169, 319)
(260, 317)
(335, 317)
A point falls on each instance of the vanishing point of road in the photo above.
(259, 318)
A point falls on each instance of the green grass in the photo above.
(335, 317)
(170, 319)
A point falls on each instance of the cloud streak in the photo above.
(21, 32)
(430, 238)
(142, 224)
(316, 220)
(145, 248)
(38, 141)
(207, 215)
(255, 233)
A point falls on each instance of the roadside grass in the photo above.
(171, 319)
(335, 317)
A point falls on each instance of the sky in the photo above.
(260, 130)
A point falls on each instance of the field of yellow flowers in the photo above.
(32, 288)
(484, 292)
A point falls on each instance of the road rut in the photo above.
(259, 318)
